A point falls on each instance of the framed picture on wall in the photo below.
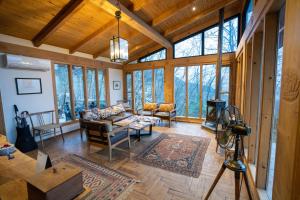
(116, 85)
(28, 86)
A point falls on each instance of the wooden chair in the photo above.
(170, 115)
(100, 134)
(42, 126)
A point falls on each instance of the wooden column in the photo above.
(219, 61)
(269, 68)
(287, 165)
(255, 94)
(169, 83)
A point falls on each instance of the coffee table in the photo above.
(139, 123)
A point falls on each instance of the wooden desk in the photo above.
(15, 172)
(21, 167)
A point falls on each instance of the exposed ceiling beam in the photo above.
(100, 30)
(135, 22)
(57, 21)
(202, 14)
(172, 12)
(139, 5)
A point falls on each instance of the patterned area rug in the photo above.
(177, 153)
(105, 183)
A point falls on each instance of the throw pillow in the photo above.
(166, 107)
(150, 106)
(117, 109)
(89, 115)
(105, 113)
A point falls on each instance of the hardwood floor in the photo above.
(155, 183)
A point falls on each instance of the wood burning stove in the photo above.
(213, 110)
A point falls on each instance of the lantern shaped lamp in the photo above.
(118, 45)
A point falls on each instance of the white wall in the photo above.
(115, 75)
(31, 103)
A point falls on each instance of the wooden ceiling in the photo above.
(87, 25)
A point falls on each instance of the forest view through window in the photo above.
(159, 55)
(63, 92)
(78, 87)
(208, 41)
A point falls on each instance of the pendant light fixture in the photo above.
(118, 45)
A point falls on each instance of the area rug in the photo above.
(105, 183)
(176, 153)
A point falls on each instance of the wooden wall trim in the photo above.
(207, 59)
(259, 11)
(269, 68)
(54, 56)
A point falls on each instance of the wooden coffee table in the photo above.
(139, 123)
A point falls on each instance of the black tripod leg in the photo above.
(237, 185)
(247, 184)
(216, 181)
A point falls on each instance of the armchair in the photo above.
(166, 112)
(101, 133)
(148, 110)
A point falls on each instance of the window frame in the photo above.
(71, 87)
(153, 52)
(143, 92)
(238, 16)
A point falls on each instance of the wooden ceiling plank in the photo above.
(102, 29)
(138, 6)
(58, 20)
(172, 12)
(205, 13)
(135, 22)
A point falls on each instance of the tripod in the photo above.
(238, 167)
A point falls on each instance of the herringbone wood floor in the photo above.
(156, 184)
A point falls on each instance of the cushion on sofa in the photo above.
(119, 117)
(166, 107)
(162, 114)
(117, 109)
(105, 113)
(89, 115)
(150, 106)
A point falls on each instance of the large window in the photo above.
(159, 85)
(187, 91)
(91, 88)
(78, 89)
(247, 13)
(193, 91)
(180, 90)
(129, 88)
(230, 35)
(189, 47)
(101, 82)
(158, 55)
(148, 86)
(206, 42)
(211, 40)
(138, 90)
(208, 85)
(63, 92)
(224, 87)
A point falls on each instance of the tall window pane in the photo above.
(193, 91)
(211, 40)
(138, 87)
(129, 88)
(189, 47)
(78, 88)
(159, 85)
(230, 35)
(224, 87)
(102, 95)
(159, 55)
(63, 92)
(148, 85)
(208, 85)
(249, 11)
(91, 88)
(180, 90)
